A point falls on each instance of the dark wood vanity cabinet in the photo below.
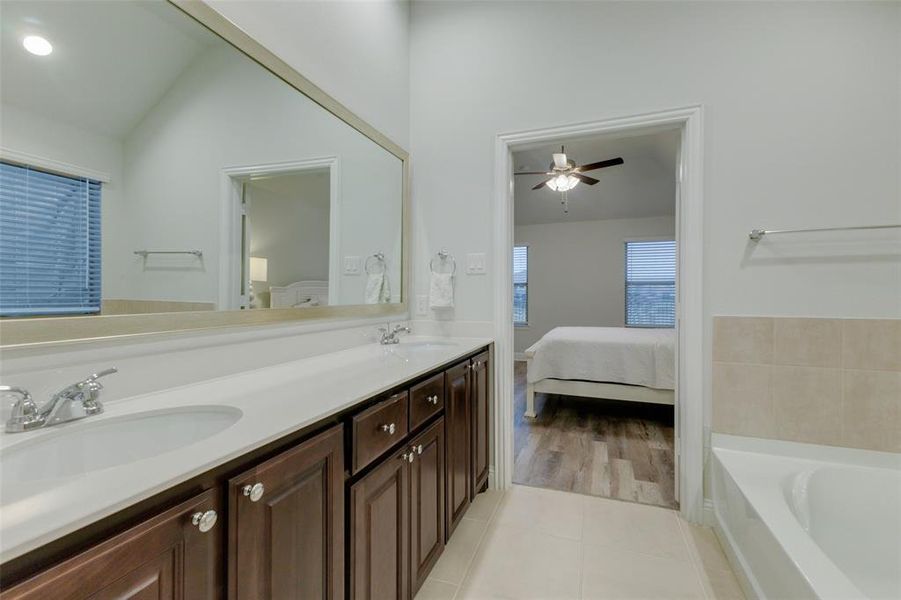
(426, 503)
(379, 531)
(360, 505)
(286, 524)
(397, 520)
(166, 557)
(458, 417)
(481, 418)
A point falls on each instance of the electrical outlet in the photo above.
(353, 265)
(475, 264)
(422, 305)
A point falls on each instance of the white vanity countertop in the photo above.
(274, 401)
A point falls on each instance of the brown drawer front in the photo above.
(378, 428)
(426, 399)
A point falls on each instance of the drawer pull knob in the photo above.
(407, 457)
(254, 492)
(389, 429)
(432, 399)
(419, 449)
(411, 458)
(204, 521)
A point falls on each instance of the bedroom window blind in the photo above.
(520, 285)
(651, 284)
(49, 243)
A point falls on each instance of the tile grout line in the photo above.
(479, 544)
(692, 559)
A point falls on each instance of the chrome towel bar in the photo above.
(145, 253)
(757, 234)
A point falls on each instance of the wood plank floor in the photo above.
(605, 448)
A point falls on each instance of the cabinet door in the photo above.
(426, 502)
(166, 557)
(286, 537)
(481, 405)
(458, 419)
(380, 529)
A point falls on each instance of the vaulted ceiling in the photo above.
(111, 61)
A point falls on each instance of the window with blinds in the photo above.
(520, 285)
(49, 243)
(651, 284)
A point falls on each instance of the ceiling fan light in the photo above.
(563, 183)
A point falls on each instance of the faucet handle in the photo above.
(91, 382)
(24, 413)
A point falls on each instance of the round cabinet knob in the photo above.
(389, 429)
(411, 458)
(419, 449)
(204, 521)
(433, 399)
(254, 492)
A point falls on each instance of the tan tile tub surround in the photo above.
(821, 381)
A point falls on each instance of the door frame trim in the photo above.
(690, 297)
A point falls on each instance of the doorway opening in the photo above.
(594, 315)
(687, 395)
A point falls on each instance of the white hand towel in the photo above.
(374, 284)
(385, 290)
(441, 290)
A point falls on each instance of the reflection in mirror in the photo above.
(148, 166)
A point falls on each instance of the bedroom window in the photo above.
(49, 243)
(520, 285)
(651, 283)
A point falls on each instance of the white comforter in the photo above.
(608, 354)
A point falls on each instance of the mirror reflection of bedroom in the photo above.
(594, 288)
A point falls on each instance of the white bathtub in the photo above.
(806, 521)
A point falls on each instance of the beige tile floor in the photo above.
(549, 545)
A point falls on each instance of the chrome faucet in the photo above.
(73, 402)
(388, 336)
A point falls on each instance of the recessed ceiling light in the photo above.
(37, 45)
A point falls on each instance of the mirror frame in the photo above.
(54, 330)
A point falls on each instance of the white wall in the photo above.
(357, 51)
(576, 272)
(801, 106)
(225, 112)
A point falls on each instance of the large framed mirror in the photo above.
(160, 170)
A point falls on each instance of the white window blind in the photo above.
(520, 285)
(49, 243)
(651, 284)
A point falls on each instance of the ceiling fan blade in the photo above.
(532, 173)
(559, 160)
(540, 185)
(600, 165)
(585, 179)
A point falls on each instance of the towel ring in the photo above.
(379, 258)
(443, 256)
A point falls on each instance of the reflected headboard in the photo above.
(299, 294)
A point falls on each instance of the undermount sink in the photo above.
(84, 446)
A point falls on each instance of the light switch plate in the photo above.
(353, 265)
(475, 263)
(422, 305)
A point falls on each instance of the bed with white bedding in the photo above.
(617, 363)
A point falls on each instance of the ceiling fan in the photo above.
(565, 175)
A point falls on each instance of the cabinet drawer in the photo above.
(379, 428)
(426, 399)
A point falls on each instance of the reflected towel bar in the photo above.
(145, 253)
(757, 234)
